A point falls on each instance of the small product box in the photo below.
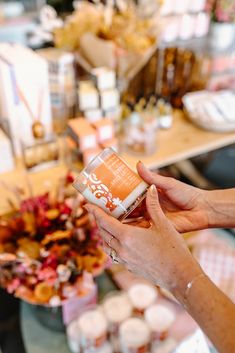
(82, 133)
(92, 115)
(88, 97)
(104, 78)
(111, 184)
(90, 154)
(112, 143)
(105, 130)
(109, 99)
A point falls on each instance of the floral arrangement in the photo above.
(109, 35)
(55, 248)
(222, 10)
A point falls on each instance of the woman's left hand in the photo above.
(158, 253)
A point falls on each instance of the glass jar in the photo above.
(134, 336)
(142, 296)
(160, 319)
(73, 337)
(111, 184)
(139, 135)
(93, 329)
(117, 308)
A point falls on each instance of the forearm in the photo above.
(221, 208)
(213, 311)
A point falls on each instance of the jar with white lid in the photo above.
(159, 319)
(117, 308)
(105, 348)
(93, 329)
(134, 336)
(142, 296)
(73, 337)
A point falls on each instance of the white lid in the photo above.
(117, 308)
(92, 324)
(134, 332)
(105, 348)
(142, 295)
(159, 317)
(73, 330)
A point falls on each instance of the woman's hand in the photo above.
(185, 206)
(158, 253)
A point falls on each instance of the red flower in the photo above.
(69, 178)
(50, 261)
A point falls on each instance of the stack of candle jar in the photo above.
(99, 118)
(99, 97)
(125, 322)
(184, 20)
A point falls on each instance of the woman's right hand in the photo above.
(185, 206)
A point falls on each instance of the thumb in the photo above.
(153, 205)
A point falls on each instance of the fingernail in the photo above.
(153, 190)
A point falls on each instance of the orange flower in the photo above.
(52, 214)
(43, 292)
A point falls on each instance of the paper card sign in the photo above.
(75, 306)
(194, 344)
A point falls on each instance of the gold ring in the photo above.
(110, 241)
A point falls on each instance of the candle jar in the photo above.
(111, 184)
(93, 329)
(106, 348)
(117, 308)
(73, 337)
(140, 134)
(159, 318)
(142, 296)
(134, 336)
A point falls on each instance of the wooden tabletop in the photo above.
(184, 140)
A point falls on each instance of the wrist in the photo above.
(184, 275)
(220, 208)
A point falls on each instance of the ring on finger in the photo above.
(113, 255)
(110, 241)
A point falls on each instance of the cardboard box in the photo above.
(88, 97)
(113, 143)
(93, 115)
(105, 130)
(90, 154)
(82, 133)
(104, 78)
(109, 99)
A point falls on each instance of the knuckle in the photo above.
(122, 254)
(127, 240)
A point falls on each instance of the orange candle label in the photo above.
(113, 181)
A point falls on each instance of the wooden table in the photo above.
(184, 140)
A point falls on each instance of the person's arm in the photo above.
(160, 255)
(221, 208)
(212, 310)
(190, 208)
